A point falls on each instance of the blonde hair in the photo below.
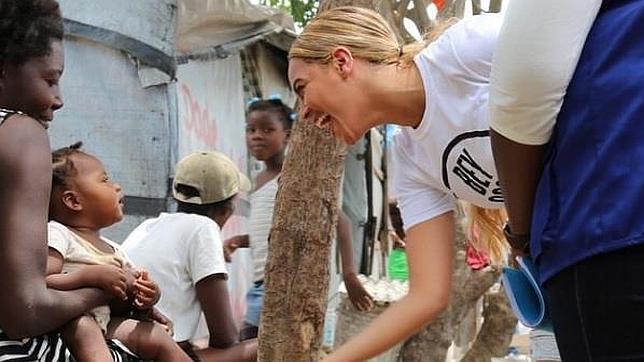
(364, 32)
(485, 231)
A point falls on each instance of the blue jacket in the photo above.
(590, 198)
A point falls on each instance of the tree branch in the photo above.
(476, 7)
(423, 23)
(495, 6)
(402, 7)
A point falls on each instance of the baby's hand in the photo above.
(110, 278)
(147, 292)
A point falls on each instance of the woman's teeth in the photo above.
(322, 121)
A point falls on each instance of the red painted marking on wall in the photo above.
(197, 120)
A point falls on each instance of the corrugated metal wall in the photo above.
(109, 104)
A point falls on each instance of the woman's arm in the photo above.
(27, 306)
(430, 250)
(212, 293)
(536, 55)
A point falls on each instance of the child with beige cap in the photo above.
(183, 252)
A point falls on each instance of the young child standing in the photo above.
(83, 201)
(268, 127)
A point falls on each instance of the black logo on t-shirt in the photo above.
(469, 171)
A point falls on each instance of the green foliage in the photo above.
(301, 10)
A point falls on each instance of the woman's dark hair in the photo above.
(204, 209)
(275, 105)
(27, 28)
(62, 165)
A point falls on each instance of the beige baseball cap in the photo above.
(212, 174)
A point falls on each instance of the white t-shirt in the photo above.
(448, 155)
(536, 55)
(178, 250)
(78, 253)
(262, 203)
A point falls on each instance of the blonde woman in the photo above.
(351, 74)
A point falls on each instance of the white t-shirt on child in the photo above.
(449, 155)
(78, 252)
(178, 250)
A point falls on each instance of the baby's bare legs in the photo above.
(85, 340)
(147, 339)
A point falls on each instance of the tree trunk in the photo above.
(452, 9)
(495, 6)
(297, 269)
(496, 333)
(383, 7)
(476, 7)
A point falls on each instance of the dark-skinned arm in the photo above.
(212, 293)
(234, 243)
(345, 243)
(358, 295)
(528, 80)
(27, 307)
(519, 168)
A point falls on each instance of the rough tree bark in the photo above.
(495, 6)
(497, 329)
(452, 9)
(297, 270)
(476, 7)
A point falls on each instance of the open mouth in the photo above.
(323, 121)
(46, 122)
(320, 119)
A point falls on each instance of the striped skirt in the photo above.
(50, 348)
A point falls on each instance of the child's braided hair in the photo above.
(62, 165)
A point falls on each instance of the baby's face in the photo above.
(101, 198)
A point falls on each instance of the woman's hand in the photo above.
(161, 319)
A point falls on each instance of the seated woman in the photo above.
(183, 252)
(32, 62)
